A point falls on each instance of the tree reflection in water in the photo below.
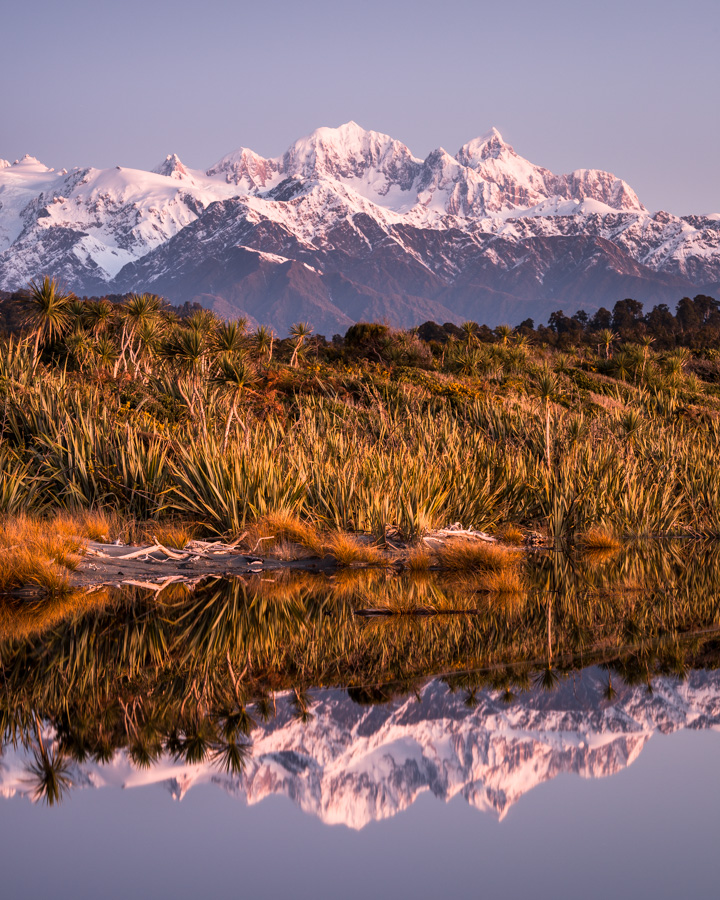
(192, 675)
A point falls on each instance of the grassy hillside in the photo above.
(151, 417)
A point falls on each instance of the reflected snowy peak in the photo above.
(351, 764)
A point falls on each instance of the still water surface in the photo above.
(577, 756)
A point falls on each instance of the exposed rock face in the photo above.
(355, 764)
(484, 234)
(171, 167)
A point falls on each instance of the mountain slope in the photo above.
(353, 764)
(350, 225)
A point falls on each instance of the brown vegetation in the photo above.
(349, 549)
(175, 535)
(475, 555)
(510, 534)
(417, 558)
(38, 553)
(599, 538)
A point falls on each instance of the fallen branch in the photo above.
(441, 535)
(136, 554)
(270, 537)
(171, 554)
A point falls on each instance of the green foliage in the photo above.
(364, 334)
(224, 490)
(136, 410)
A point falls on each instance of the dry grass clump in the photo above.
(284, 525)
(288, 551)
(418, 558)
(97, 525)
(175, 535)
(348, 550)
(105, 526)
(511, 534)
(38, 553)
(24, 567)
(475, 555)
(599, 538)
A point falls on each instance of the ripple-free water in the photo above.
(575, 755)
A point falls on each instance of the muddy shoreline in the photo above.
(153, 565)
(108, 564)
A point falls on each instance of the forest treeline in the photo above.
(695, 323)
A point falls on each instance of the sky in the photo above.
(648, 831)
(630, 86)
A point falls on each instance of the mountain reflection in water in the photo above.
(352, 764)
(269, 687)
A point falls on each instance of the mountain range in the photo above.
(353, 764)
(348, 225)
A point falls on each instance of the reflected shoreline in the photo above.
(351, 764)
(179, 685)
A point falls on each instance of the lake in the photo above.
(370, 733)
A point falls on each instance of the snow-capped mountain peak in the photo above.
(171, 167)
(594, 184)
(523, 184)
(490, 144)
(485, 234)
(247, 170)
(349, 152)
(520, 183)
(30, 164)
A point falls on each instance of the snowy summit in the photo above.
(349, 224)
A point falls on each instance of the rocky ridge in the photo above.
(353, 764)
(346, 225)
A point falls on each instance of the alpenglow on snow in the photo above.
(348, 225)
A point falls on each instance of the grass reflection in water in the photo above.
(192, 673)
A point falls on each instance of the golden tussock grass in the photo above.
(460, 554)
(286, 550)
(38, 553)
(511, 534)
(599, 537)
(284, 525)
(24, 567)
(418, 558)
(347, 549)
(94, 525)
(175, 535)
(97, 525)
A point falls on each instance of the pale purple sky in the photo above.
(626, 85)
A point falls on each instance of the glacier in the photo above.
(483, 234)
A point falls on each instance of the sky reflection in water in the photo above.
(465, 785)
